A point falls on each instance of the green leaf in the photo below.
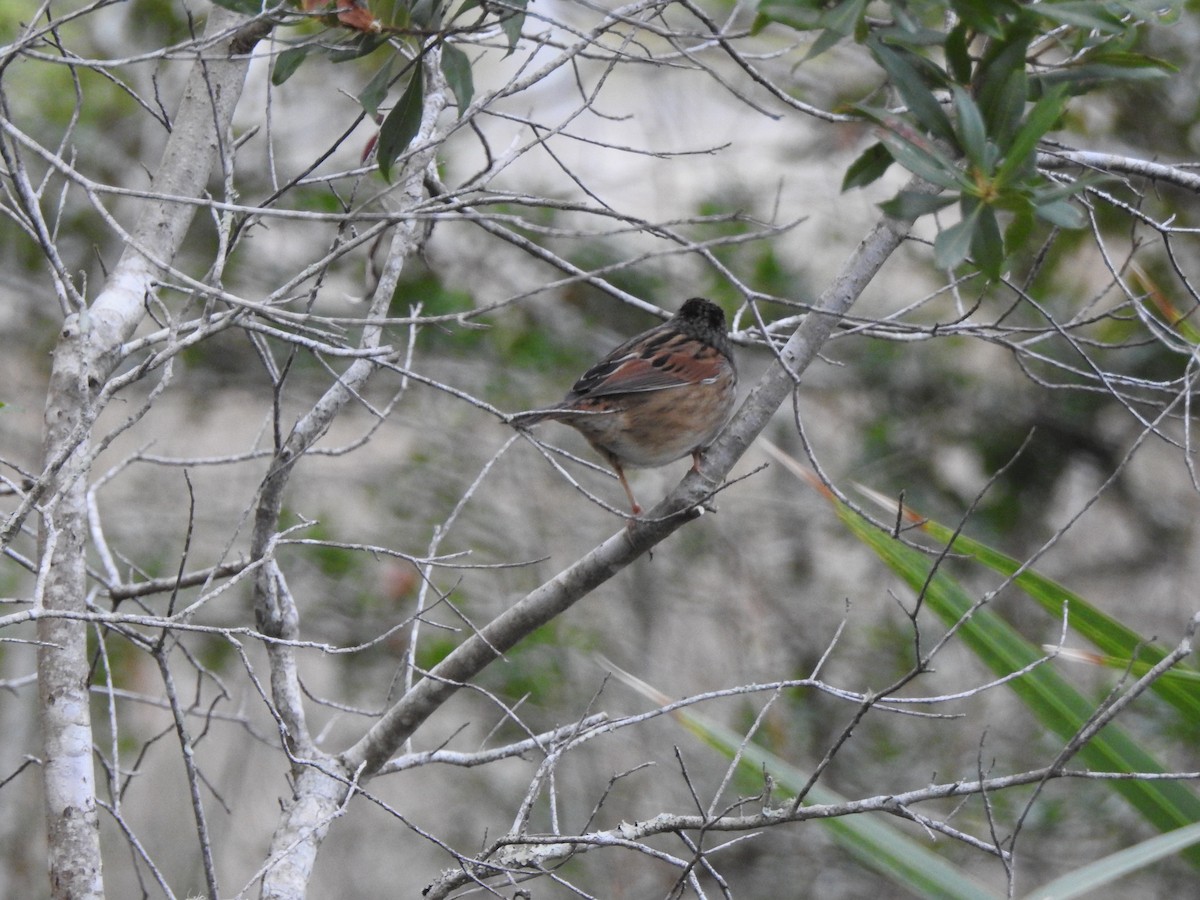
(872, 840)
(512, 21)
(1061, 213)
(984, 15)
(987, 246)
(402, 123)
(911, 35)
(245, 7)
(911, 205)
(952, 244)
(844, 17)
(869, 166)
(826, 40)
(1019, 154)
(1050, 190)
(1088, 75)
(926, 163)
(1002, 88)
(1086, 14)
(465, 8)
(801, 18)
(394, 13)
(972, 135)
(1083, 881)
(1105, 632)
(456, 66)
(1135, 667)
(839, 23)
(1056, 704)
(360, 46)
(1126, 59)
(287, 62)
(377, 88)
(919, 99)
(427, 14)
(958, 57)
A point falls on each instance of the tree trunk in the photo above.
(89, 349)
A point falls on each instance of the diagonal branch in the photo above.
(575, 582)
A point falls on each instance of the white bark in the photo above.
(88, 350)
(321, 783)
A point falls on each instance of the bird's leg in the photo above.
(634, 507)
(696, 457)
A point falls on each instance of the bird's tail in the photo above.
(530, 417)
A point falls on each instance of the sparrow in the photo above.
(656, 398)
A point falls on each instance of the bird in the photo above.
(659, 396)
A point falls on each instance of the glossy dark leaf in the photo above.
(512, 20)
(919, 99)
(909, 206)
(362, 45)
(287, 62)
(985, 16)
(844, 17)
(402, 123)
(927, 164)
(427, 14)
(839, 23)
(958, 56)
(869, 166)
(1044, 115)
(456, 66)
(1086, 14)
(376, 90)
(1124, 59)
(972, 136)
(987, 246)
(1086, 76)
(1061, 213)
(800, 16)
(465, 8)
(1002, 89)
(826, 40)
(952, 244)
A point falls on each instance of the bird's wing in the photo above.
(654, 367)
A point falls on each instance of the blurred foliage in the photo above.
(216, 653)
(534, 673)
(333, 561)
(433, 649)
(1049, 696)
(122, 661)
(981, 84)
(396, 33)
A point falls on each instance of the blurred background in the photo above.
(754, 593)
